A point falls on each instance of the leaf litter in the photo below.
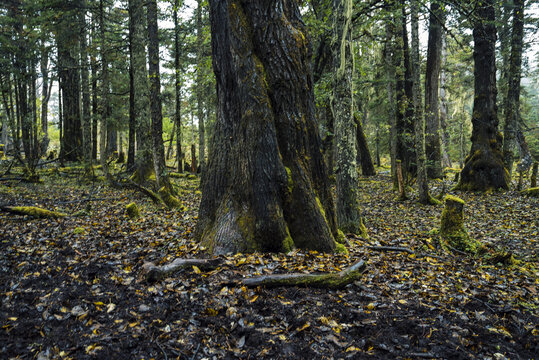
(71, 287)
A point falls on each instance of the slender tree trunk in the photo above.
(265, 186)
(512, 100)
(45, 95)
(432, 119)
(446, 160)
(389, 64)
(484, 168)
(348, 207)
(61, 123)
(363, 153)
(422, 183)
(200, 87)
(132, 115)
(141, 97)
(95, 111)
(177, 87)
(104, 106)
(85, 82)
(155, 99)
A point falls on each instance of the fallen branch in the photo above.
(153, 273)
(391, 248)
(324, 281)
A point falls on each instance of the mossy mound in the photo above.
(484, 170)
(132, 211)
(170, 201)
(533, 192)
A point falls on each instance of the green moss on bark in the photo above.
(452, 231)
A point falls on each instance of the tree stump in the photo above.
(533, 179)
(452, 231)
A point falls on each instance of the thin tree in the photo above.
(200, 88)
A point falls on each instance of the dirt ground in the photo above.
(71, 288)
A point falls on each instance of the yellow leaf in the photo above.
(196, 269)
(99, 303)
(403, 302)
(12, 318)
(64, 309)
(371, 306)
(352, 348)
(305, 326)
(282, 337)
(253, 299)
(241, 261)
(111, 307)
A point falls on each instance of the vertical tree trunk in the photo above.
(484, 168)
(45, 95)
(446, 160)
(177, 88)
(512, 100)
(389, 64)
(104, 107)
(363, 152)
(85, 83)
(200, 87)
(155, 99)
(422, 184)
(432, 120)
(95, 111)
(132, 115)
(141, 97)
(348, 207)
(265, 186)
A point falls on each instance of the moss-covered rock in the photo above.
(452, 231)
(132, 211)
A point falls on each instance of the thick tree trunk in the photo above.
(200, 88)
(141, 100)
(422, 183)
(512, 100)
(265, 186)
(348, 207)
(432, 119)
(484, 168)
(155, 99)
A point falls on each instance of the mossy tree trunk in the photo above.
(143, 166)
(432, 119)
(512, 100)
(348, 209)
(363, 152)
(484, 168)
(177, 88)
(200, 88)
(265, 186)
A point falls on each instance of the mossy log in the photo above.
(32, 211)
(533, 192)
(325, 281)
(132, 211)
(452, 230)
(153, 273)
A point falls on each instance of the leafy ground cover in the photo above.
(72, 287)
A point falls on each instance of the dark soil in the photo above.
(72, 287)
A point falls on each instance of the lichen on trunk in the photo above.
(265, 186)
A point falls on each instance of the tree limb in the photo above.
(153, 273)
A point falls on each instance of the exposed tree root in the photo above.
(154, 273)
(324, 281)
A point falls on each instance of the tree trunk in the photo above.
(363, 152)
(265, 186)
(155, 99)
(404, 122)
(512, 100)
(348, 207)
(45, 96)
(432, 119)
(484, 168)
(86, 111)
(200, 88)
(446, 160)
(422, 183)
(141, 100)
(389, 64)
(177, 88)
(104, 106)
(95, 112)
(67, 40)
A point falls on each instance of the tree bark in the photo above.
(363, 152)
(348, 206)
(177, 88)
(432, 119)
(104, 107)
(95, 111)
(422, 183)
(512, 100)
(265, 186)
(389, 65)
(45, 95)
(156, 113)
(484, 168)
(143, 166)
(446, 160)
(200, 88)
(86, 111)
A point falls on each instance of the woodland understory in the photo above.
(72, 287)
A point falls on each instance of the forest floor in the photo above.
(72, 287)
